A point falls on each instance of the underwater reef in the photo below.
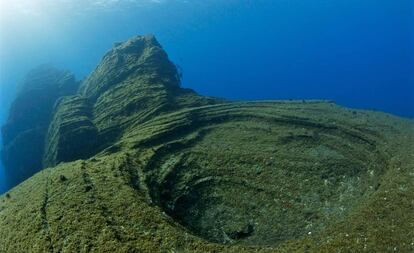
(128, 161)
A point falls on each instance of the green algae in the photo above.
(172, 171)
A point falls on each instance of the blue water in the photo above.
(359, 53)
(3, 183)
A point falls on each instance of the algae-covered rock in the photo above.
(29, 117)
(163, 169)
(134, 82)
(140, 57)
(72, 134)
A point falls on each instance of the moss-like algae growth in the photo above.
(171, 171)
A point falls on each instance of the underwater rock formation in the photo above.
(142, 165)
(29, 118)
(134, 82)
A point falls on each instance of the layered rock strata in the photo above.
(139, 164)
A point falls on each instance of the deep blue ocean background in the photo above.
(358, 53)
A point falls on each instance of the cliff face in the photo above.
(142, 165)
(29, 118)
(71, 133)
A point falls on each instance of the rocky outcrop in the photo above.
(134, 82)
(140, 58)
(29, 118)
(142, 165)
(138, 75)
